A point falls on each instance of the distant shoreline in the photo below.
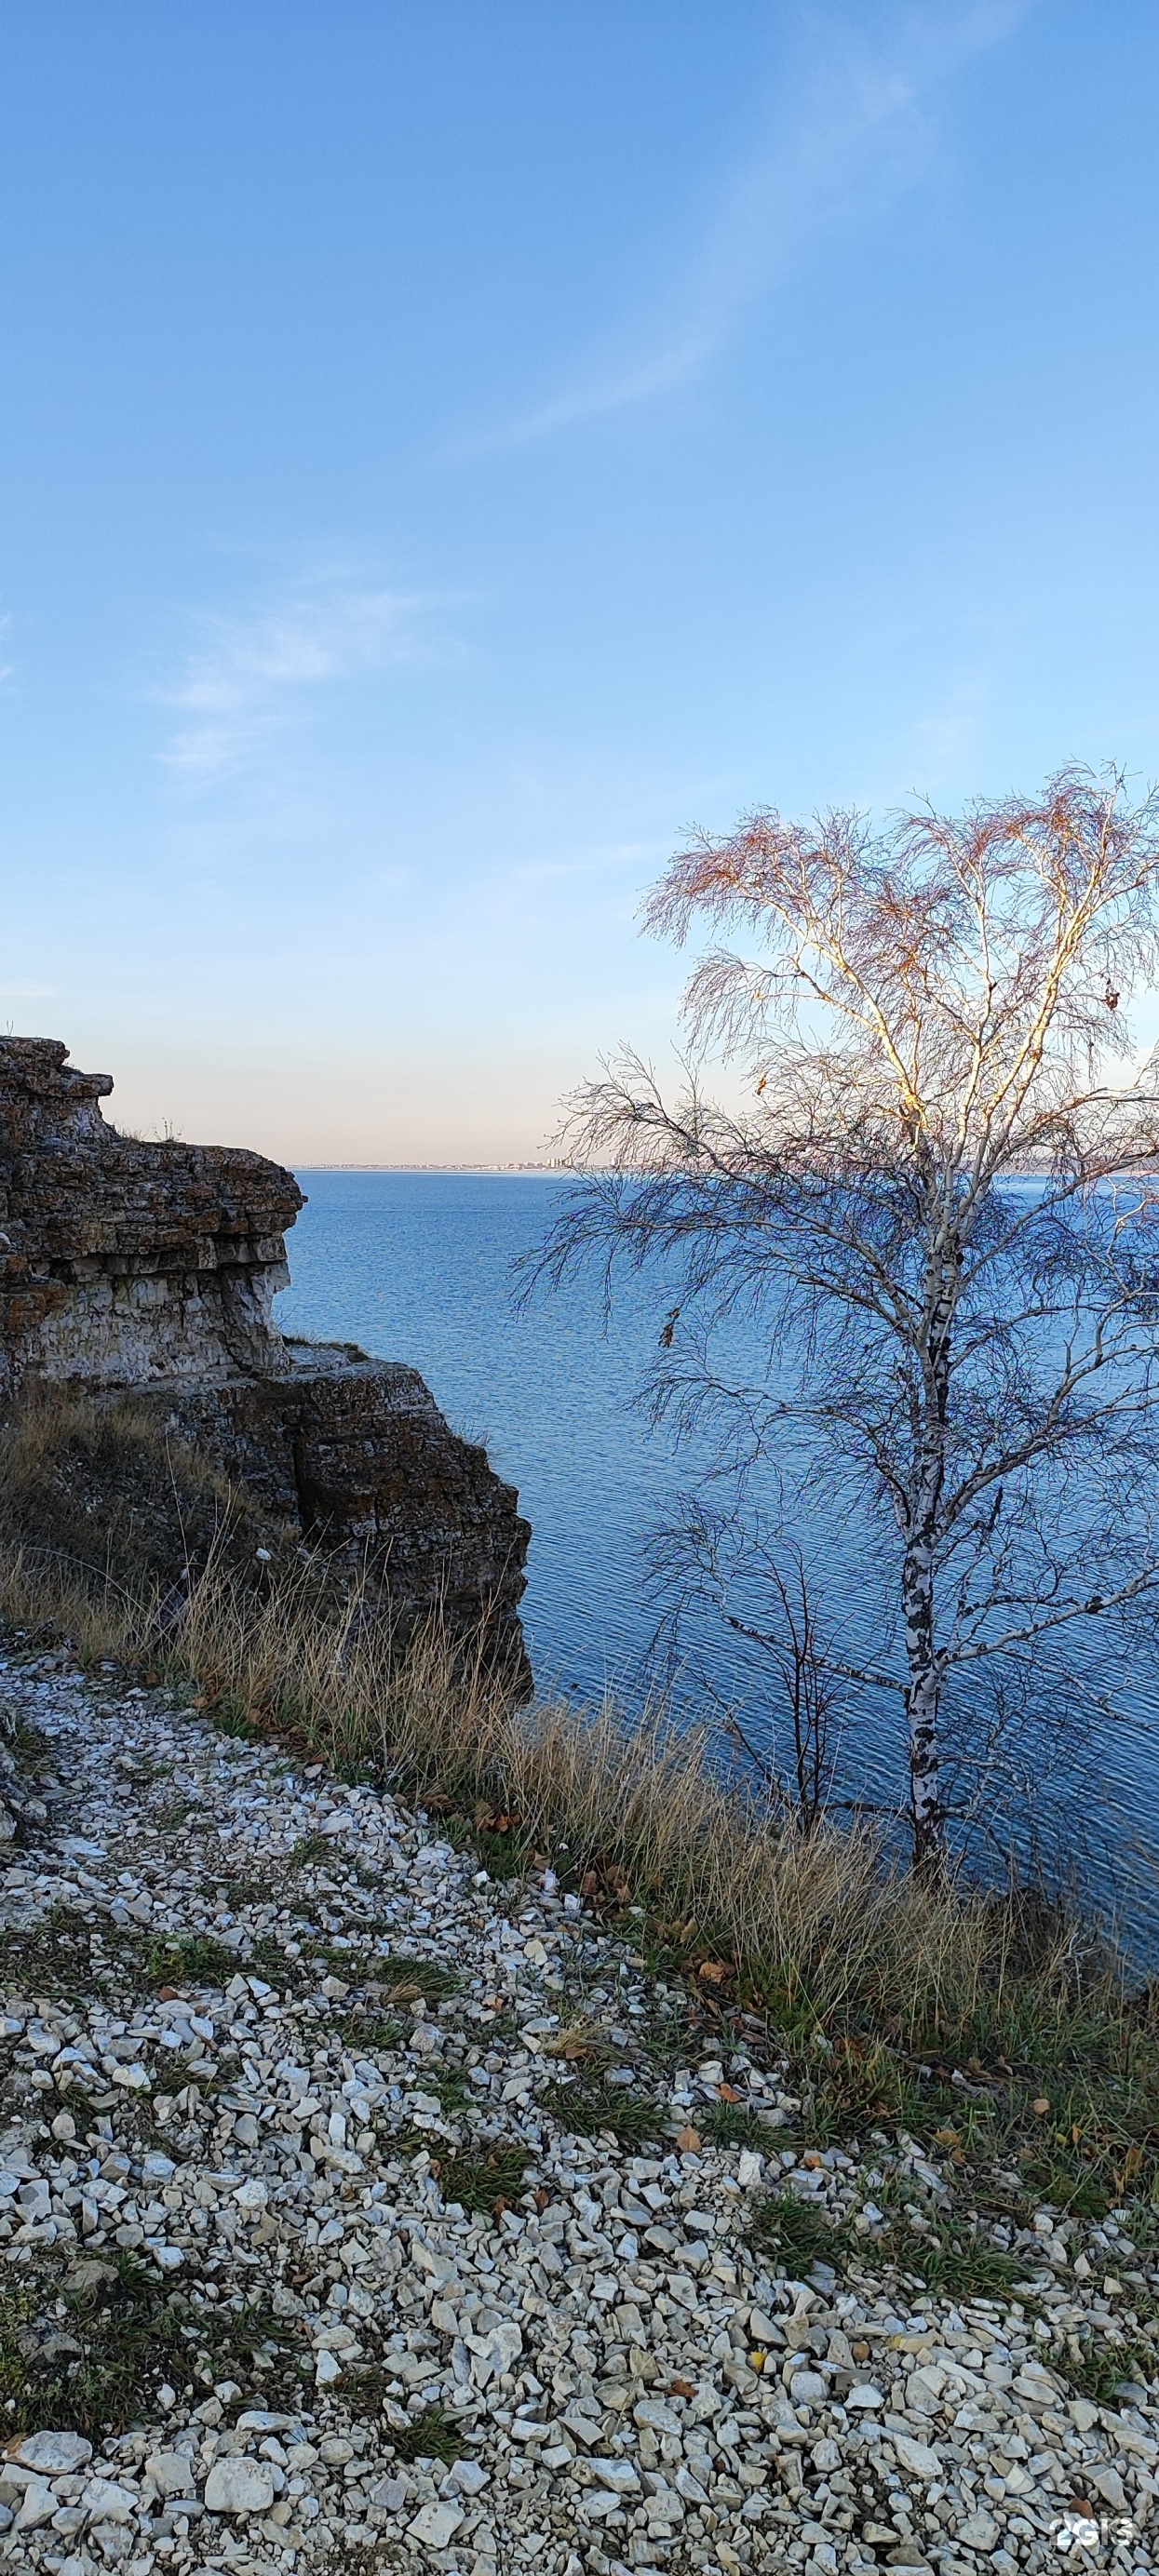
(515, 1171)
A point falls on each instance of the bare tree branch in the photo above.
(936, 1210)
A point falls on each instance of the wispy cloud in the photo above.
(28, 992)
(248, 676)
(855, 128)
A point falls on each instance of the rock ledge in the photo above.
(152, 1268)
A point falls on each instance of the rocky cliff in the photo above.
(153, 1267)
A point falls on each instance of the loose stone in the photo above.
(353, 2205)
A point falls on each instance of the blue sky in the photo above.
(447, 450)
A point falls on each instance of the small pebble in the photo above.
(634, 2379)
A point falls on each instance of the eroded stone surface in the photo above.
(239, 2486)
(121, 1261)
(362, 1456)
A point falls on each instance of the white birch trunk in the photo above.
(922, 1707)
(918, 1606)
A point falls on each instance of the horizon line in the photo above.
(514, 1168)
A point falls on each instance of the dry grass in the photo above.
(883, 1986)
(45, 1596)
(99, 1499)
(639, 1815)
(825, 1931)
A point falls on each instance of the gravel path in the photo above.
(253, 2021)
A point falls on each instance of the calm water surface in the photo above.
(418, 1267)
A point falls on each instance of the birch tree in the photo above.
(931, 1189)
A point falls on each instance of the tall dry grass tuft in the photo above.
(874, 1978)
(96, 1489)
(825, 1930)
(43, 1593)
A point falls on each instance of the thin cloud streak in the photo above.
(247, 678)
(859, 134)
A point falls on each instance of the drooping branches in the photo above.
(934, 1187)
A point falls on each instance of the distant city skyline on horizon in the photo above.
(448, 454)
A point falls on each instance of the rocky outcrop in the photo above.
(153, 1267)
(357, 1451)
(122, 1262)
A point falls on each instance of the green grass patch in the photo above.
(241, 2332)
(85, 2352)
(362, 2030)
(197, 1959)
(310, 1851)
(505, 1851)
(176, 1814)
(859, 2081)
(730, 2124)
(145, 1769)
(481, 2182)
(799, 2232)
(1103, 2367)
(587, 2106)
(32, 1750)
(388, 1978)
(434, 2435)
(191, 1959)
(1066, 2183)
(1062, 2093)
(481, 2179)
(229, 1716)
(355, 1967)
(268, 1959)
(407, 1980)
(456, 2095)
(950, 2263)
(53, 1957)
(947, 2260)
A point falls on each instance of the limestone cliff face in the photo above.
(122, 1262)
(357, 1451)
(154, 1266)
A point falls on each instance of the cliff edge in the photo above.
(148, 1268)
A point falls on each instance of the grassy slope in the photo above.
(994, 2028)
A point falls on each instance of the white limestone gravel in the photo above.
(633, 2383)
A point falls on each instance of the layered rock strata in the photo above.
(153, 1267)
(357, 1451)
(123, 1262)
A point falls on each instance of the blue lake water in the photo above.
(418, 1267)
